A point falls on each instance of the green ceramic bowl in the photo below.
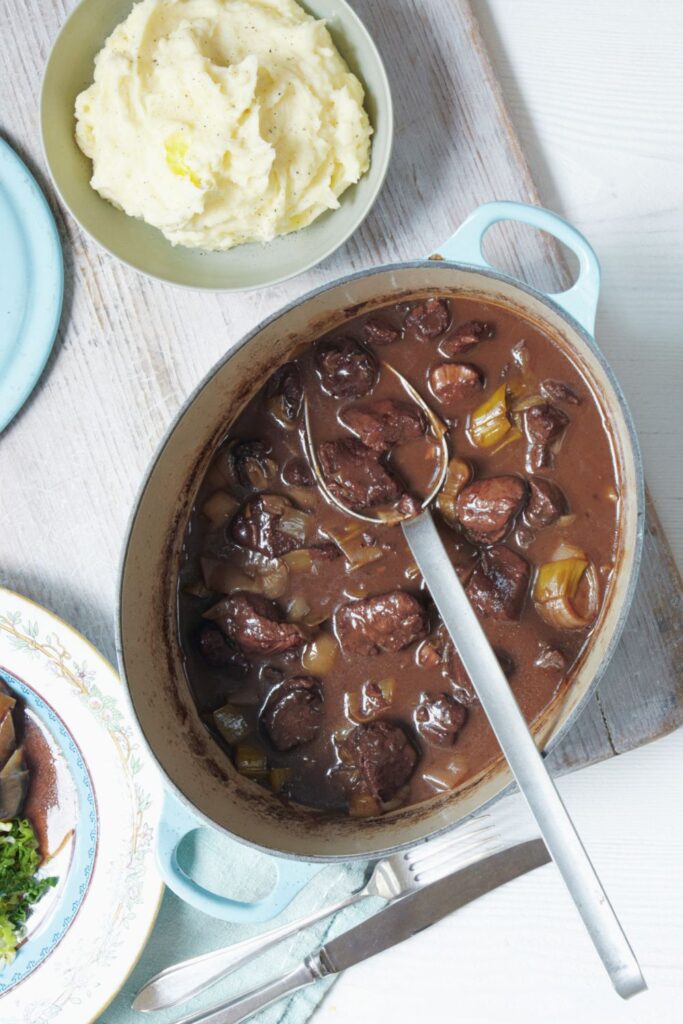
(70, 70)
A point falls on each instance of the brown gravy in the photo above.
(320, 772)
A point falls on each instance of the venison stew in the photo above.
(313, 653)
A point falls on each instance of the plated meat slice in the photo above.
(386, 423)
(385, 755)
(440, 719)
(543, 425)
(379, 332)
(292, 716)
(498, 586)
(487, 509)
(388, 622)
(354, 474)
(546, 502)
(261, 525)
(346, 370)
(255, 624)
(430, 318)
(453, 382)
(219, 652)
(466, 336)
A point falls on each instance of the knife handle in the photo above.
(258, 999)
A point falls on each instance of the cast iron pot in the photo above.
(202, 785)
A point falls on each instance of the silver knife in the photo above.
(402, 919)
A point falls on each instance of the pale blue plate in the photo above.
(31, 283)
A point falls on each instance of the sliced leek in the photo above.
(458, 474)
(490, 422)
(231, 723)
(557, 587)
(251, 761)
(278, 778)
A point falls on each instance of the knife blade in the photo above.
(416, 911)
(399, 921)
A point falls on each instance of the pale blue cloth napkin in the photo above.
(181, 932)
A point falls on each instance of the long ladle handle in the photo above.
(523, 757)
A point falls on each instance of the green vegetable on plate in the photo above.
(20, 889)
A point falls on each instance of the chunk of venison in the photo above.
(255, 624)
(546, 502)
(252, 465)
(385, 756)
(498, 586)
(439, 652)
(558, 391)
(292, 716)
(386, 423)
(286, 385)
(543, 425)
(219, 652)
(298, 473)
(355, 476)
(379, 332)
(466, 336)
(439, 719)
(487, 509)
(387, 622)
(429, 319)
(454, 382)
(346, 370)
(258, 526)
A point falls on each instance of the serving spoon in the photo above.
(502, 710)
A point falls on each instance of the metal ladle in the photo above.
(503, 712)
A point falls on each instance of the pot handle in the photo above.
(581, 300)
(291, 876)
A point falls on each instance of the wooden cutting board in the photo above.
(130, 350)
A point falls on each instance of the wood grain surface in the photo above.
(129, 349)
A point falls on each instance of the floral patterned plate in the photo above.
(94, 930)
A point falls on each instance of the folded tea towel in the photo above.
(181, 932)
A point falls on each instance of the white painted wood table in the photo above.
(596, 93)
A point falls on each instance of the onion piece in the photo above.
(319, 656)
(298, 560)
(220, 508)
(297, 609)
(352, 540)
(295, 523)
(363, 805)
(249, 571)
(489, 423)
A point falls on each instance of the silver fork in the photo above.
(391, 878)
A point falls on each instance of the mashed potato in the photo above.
(223, 121)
